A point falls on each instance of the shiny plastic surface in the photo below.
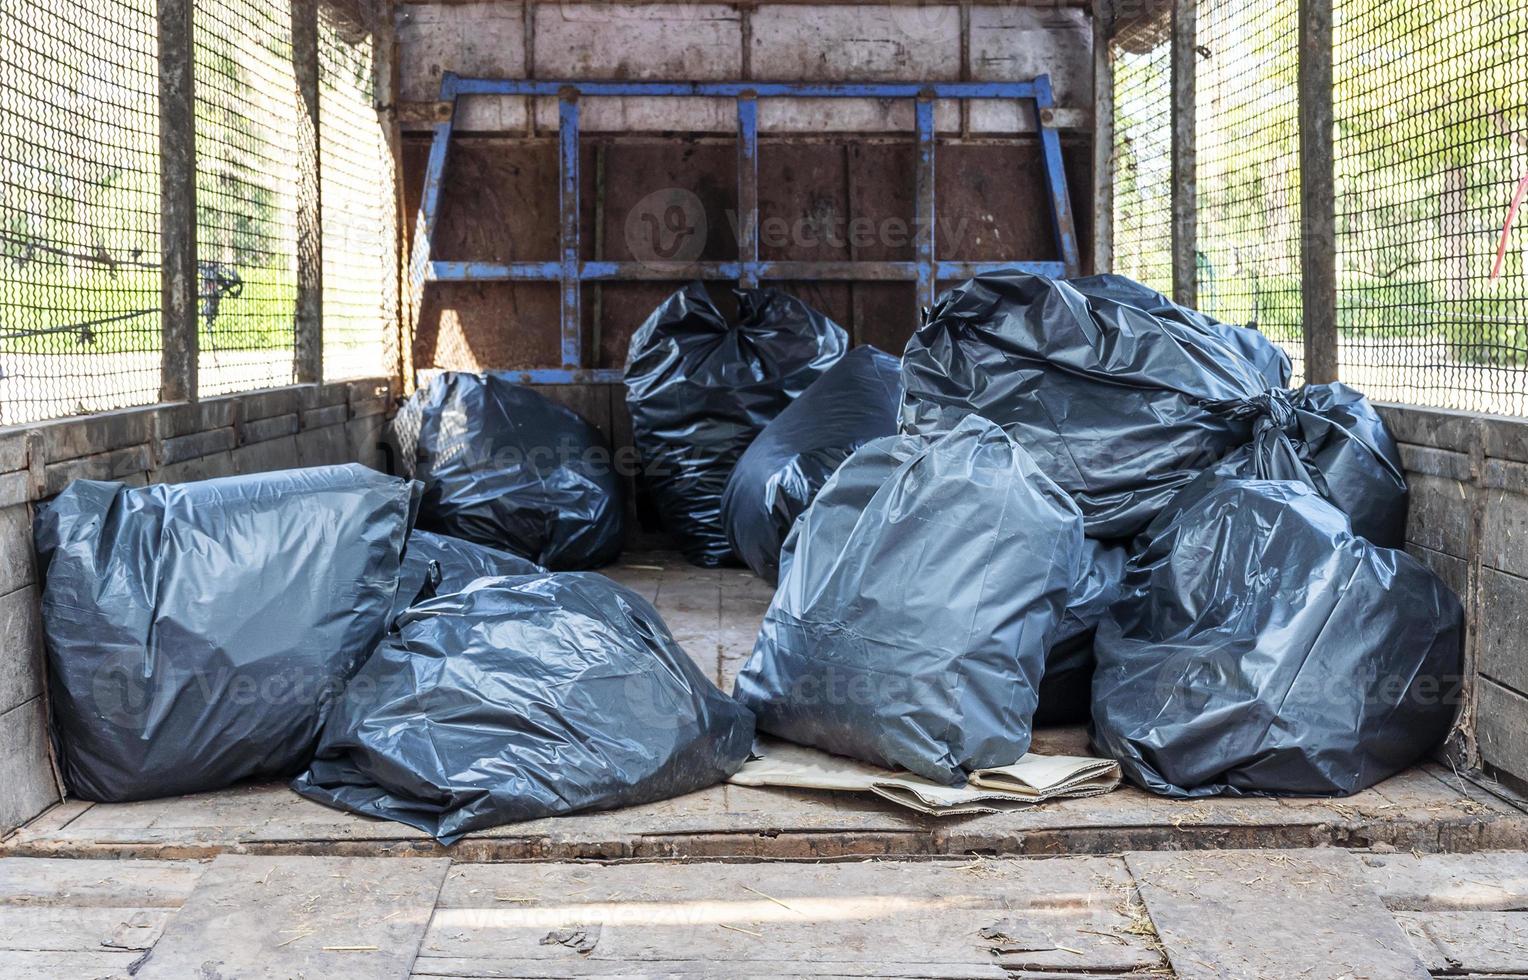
(505, 466)
(198, 633)
(701, 389)
(1261, 647)
(1066, 690)
(435, 564)
(525, 697)
(1123, 398)
(917, 597)
(1269, 359)
(774, 482)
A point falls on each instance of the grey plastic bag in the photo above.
(1269, 359)
(198, 633)
(524, 697)
(1124, 398)
(1122, 408)
(505, 466)
(1066, 690)
(1260, 647)
(435, 564)
(917, 597)
(701, 389)
(774, 483)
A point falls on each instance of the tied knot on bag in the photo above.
(1273, 408)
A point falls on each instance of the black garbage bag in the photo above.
(435, 564)
(917, 597)
(1260, 647)
(524, 697)
(1066, 690)
(1353, 460)
(197, 634)
(1269, 358)
(1334, 442)
(1120, 407)
(774, 482)
(701, 389)
(505, 466)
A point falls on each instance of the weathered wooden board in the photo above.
(47, 928)
(1270, 915)
(289, 917)
(88, 884)
(1470, 942)
(1491, 881)
(50, 965)
(971, 918)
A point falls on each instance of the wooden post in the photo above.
(1103, 137)
(309, 315)
(1185, 215)
(1318, 200)
(179, 281)
(1185, 206)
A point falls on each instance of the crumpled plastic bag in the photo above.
(774, 482)
(917, 597)
(701, 389)
(503, 465)
(1269, 358)
(1331, 439)
(1261, 647)
(524, 697)
(434, 564)
(1120, 407)
(1124, 398)
(1066, 690)
(198, 633)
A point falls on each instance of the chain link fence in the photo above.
(1430, 146)
(247, 114)
(79, 207)
(80, 300)
(359, 194)
(1431, 107)
(1247, 146)
(1142, 158)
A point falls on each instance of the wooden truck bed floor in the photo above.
(1422, 875)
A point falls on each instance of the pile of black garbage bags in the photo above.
(1097, 506)
(1068, 501)
(319, 624)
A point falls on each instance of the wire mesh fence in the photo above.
(1142, 159)
(247, 114)
(358, 193)
(1430, 146)
(79, 211)
(1431, 106)
(1247, 145)
(80, 304)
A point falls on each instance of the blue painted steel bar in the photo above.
(454, 85)
(719, 271)
(747, 224)
(923, 202)
(570, 271)
(1055, 179)
(567, 208)
(429, 214)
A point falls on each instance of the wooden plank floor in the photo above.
(1251, 915)
(715, 614)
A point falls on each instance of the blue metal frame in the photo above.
(570, 273)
